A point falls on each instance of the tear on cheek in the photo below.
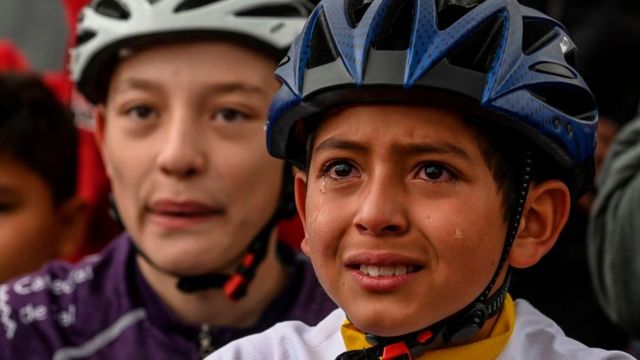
(323, 185)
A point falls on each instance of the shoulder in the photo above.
(535, 336)
(290, 340)
(40, 310)
(622, 160)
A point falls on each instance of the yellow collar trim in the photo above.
(488, 348)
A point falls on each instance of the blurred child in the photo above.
(440, 143)
(41, 218)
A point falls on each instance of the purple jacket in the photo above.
(102, 308)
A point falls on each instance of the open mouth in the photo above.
(385, 270)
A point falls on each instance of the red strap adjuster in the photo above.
(233, 284)
(396, 350)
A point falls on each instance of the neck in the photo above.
(212, 307)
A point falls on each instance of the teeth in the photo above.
(376, 271)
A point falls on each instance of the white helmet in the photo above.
(107, 26)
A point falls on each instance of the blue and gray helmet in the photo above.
(495, 58)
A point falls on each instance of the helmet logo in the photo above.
(565, 44)
(277, 27)
(284, 61)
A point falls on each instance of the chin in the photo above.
(184, 261)
(387, 328)
(383, 322)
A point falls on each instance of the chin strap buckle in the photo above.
(402, 350)
(236, 287)
(396, 351)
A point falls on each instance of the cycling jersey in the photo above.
(534, 336)
(103, 308)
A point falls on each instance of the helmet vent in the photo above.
(396, 27)
(356, 10)
(113, 9)
(478, 51)
(322, 47)
(193, 4)
(536, 34)
(573, 101)
(283, 11)
(450, 11)
(84, 36)
(553, 69)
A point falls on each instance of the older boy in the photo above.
(440, 143)
(182, 89)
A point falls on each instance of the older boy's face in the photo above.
(183, 142)
(402, 216)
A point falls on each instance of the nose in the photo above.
(381, 213)
(182, 154)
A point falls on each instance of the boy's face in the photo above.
(183, 142)
(403, 219)
(30, 225)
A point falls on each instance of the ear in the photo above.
(73, 218)
(300, 192)
(545, 214)
(100, 114)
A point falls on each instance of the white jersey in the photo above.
(535, 336)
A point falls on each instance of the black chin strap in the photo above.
(455, 329)
(465, 323)
(234, 285)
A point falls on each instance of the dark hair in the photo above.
(503, 151)
(38, 130)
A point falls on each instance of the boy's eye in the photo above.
(230, 115)
(7, 207)
(339, 169)
(140, 112)
(436, 172)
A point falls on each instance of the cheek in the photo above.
(129, 171)
(127, 161)
(251, 175)
(27, 239)
(327, 220)
(465, 231)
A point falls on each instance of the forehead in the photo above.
(16, 175)
(397, 127)
(196, 63)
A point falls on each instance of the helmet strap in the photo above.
(465, 323)
(234, 285)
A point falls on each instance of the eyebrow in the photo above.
(442, 147)
(218, 89)
(332, 144)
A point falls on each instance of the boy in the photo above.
(182, 89)
(440, 143)
(41, 217)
